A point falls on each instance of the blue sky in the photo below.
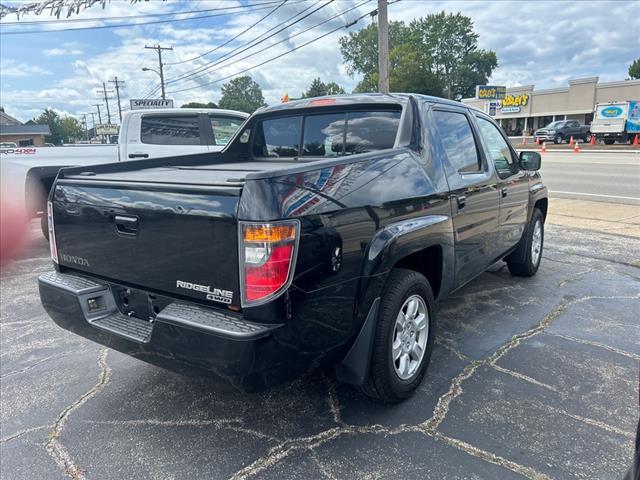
(540, 43)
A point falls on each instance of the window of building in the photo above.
(170, 130)
(224, 128)
(457, 139)
(25, 143)
(498, 147)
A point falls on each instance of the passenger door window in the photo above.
(458, 141)
(498, 148)
(170, 130)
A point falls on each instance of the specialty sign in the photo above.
(488, 92)
(145, 103)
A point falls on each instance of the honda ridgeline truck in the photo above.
(323, 234)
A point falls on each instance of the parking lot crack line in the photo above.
(20, 433)
(595, 423)
(490, 457)
(53, 446)
(524, 377)
(334, 403)
(596, 344)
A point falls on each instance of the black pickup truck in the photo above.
(563, 130)
(324, 234)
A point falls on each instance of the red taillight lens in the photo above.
(268, 257)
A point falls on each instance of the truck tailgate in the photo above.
(172, 240)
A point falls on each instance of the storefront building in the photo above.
(524, 109)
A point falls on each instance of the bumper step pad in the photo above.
(131, 328)
(226, 324)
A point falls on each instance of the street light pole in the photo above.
(159, 49)
(383, 47)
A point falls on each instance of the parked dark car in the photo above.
(562, 130)
(324, 234)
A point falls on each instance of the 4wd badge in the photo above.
(213, 294)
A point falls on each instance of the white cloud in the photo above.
(11, 68)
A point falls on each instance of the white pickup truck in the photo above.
(29, 172)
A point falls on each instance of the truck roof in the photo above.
(355, 99)
(189, 110)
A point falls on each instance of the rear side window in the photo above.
(457, 139)
(224, 128)
(170, 130)
(326, 135)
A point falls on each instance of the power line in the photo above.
(231, 39)
(292, 36)
(246, 46)
(350, 24)
(122, 25)
(126, 17)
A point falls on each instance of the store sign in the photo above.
(106, 129)
(488, 92)
(511, 109)
(514, 103)
(145, 103)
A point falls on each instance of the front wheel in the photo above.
(532, 244)
(557, 139)
(404, 337)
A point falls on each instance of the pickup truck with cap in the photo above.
(324, 234)
(28, 172)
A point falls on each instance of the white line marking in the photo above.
(596, 195)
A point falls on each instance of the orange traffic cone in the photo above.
(576, 148)
(593, 139)
(537, 141)
(524, 140)
(635, 140)
(544, 148)
(571, 142)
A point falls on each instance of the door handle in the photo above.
(126, 225)
(138, 155)
(462, 201)
(504, 192)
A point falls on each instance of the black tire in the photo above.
(383, 382)
(609, 141)
(529, 266)
(558, 139)
(44, 226)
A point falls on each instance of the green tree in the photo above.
(436, 55)
(199, 105)
(634, 69)
(241, 93)
(63, 129)
(319, 89)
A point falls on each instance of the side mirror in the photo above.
(530, 161)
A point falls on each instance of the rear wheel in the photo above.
(404, 337)
(557, 139)
(609, 141)
(531, 245)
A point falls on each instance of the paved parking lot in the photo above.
(531, 378)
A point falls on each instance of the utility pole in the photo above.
(117, 84)
(159, 49)
(383, 47)
(99, 116)
(106, 99)
(84, 124)
(93, 122)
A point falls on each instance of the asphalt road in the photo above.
(530, 378)
(608, 177)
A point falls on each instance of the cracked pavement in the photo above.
(530, 378)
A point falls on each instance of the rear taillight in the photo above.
(267, 259)
(52, 233)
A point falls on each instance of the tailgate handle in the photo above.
(138, 155)
(126, 225)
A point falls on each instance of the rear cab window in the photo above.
(170, 130)
(326, 134)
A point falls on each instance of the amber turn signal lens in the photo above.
(269, 233)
